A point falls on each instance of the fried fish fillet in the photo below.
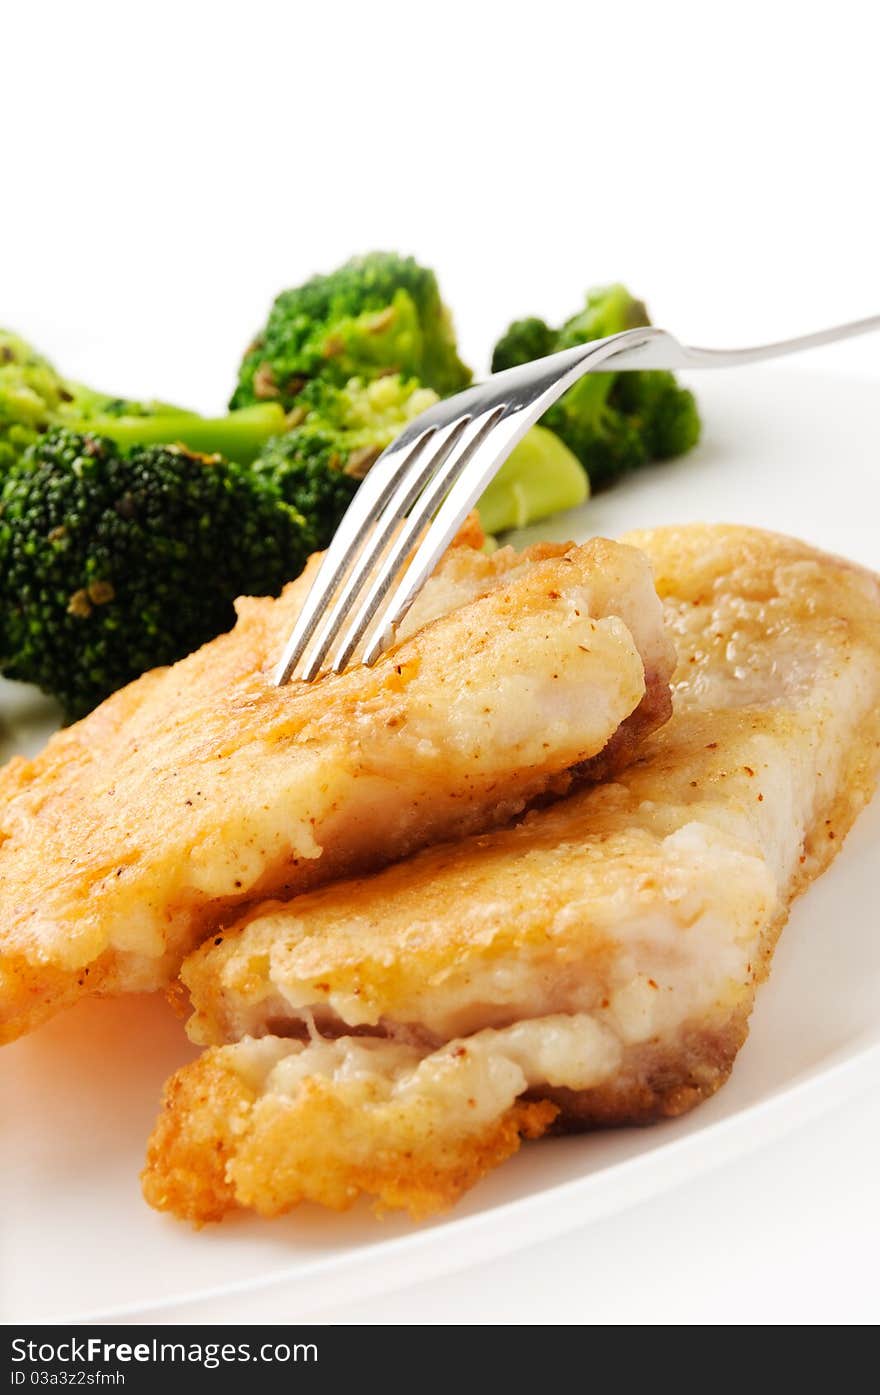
(202, 787)
(595, 963)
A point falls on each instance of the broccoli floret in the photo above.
(114, 561)
(337, 434)
(608, 310)
(523, 341)
(34, 397)
(614, 422)
(605, 440)
(376, 314)
(319, 464)
(664, 413)
(540, 477)
(308, 468)
(602, 436)
(371, 413)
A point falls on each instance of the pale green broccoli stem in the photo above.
(239, 436)
(540, 477)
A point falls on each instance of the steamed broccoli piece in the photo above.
(114, 561)
(540, 477)
(603, 438)
(340, 431)
(354, 356)
(34, 397)
(664, 414)
(308, 468)
(377, 314)
(608, 310)
(239, 436)
(319, 464)
(523, 341)
(614, 422)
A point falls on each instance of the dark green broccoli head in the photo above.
(604, 439)
(318, 465)
(308, 468)
(523, 341)
(376, 314)
(613, 422)
(114, 562)
(662, 412)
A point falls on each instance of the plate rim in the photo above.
(720, 1141)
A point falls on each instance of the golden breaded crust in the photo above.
(217, 1146)
(661, 1083)
(500, 926)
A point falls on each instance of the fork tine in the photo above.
(522, 394)
(518, 395)
(461, 498)
(451, 469)
(350, 536)
(411, 477)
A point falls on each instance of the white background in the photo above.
(167, 168)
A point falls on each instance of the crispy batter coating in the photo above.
(602, 953)
(218, 1145)
(204, 787)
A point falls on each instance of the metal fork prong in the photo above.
(456, 506)
(395, 558)
(522, 395)
(350, 536)
(411, 480)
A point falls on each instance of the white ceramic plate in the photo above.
(789, 451)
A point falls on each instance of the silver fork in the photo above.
(430, 477)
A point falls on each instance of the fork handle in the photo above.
(654, 348)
